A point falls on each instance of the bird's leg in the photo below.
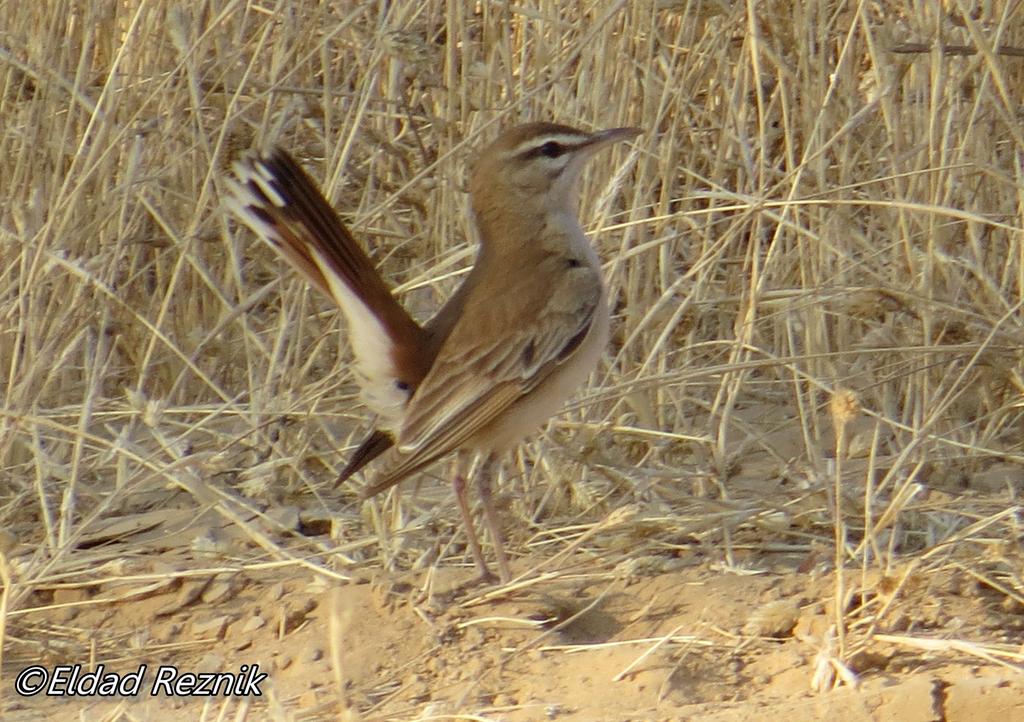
(483, 482)
(459, 485)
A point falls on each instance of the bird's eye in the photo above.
(551, 149)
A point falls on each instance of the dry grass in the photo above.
(809, 214)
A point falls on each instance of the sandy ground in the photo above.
(670, 631)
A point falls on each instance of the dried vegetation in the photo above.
(816, 256)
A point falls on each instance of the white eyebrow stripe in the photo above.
(565, 139)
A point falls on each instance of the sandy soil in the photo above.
(670, 631)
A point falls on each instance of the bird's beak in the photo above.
(613, 135)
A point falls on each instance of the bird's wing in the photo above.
(474, 383)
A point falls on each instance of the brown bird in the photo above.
(521, 333)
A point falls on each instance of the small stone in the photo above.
(219, 590)
(212, 628)
(254, 623)
(286, 516)
(70, 597)
(774, 619)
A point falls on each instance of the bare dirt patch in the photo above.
(669, 634)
